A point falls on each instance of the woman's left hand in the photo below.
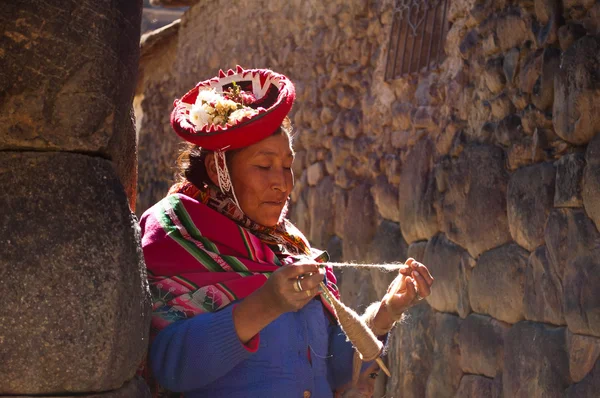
(411, 285)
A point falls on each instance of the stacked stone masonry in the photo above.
(486, 168)
(76, 306)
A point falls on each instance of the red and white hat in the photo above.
(234, 109)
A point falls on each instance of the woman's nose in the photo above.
(279, 182)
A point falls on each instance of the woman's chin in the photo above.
(269, 220)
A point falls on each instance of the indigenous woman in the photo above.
(237, 306)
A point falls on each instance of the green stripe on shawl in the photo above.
(184, 218)
(188, 224)
(227, 291)
(195, 233)
(171, 229)
(248, 245)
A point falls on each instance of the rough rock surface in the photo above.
(388, 246)
(481, 342)
(412, 347)
(386, 199)
(84, 304)
(529, 201)
(591, 181)
(535, 370)
(158, 145)
(474, 206)
(584, 352)
(418, 219)
(416, 250)
(74, 97)
(575, 92)
(322, 213)
(451, 266)
(360, 228)
(135, 388)
(445, 375)
(543, 300)
(569, 175)
(497, 283)
(569, 233)
(588, 387)
(581, 298)
(472, 386)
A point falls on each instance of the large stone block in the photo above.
(299, 212)
(493, 75)
(388, 246)
(529, 201)
(536, 364)
(314, 173)
(322, 212)
(497, 284)
(416, 250)
(543, 300)
(474, 206)
(418, 218)
(76, 314)
(386, 199)
(158, 145)
(513, 28)
(451, 266)
(569, 233)
(530, 71)
(444, 379)
(588, 387)
(359, 223)
(570, 33)
(581, 299)
(472, 386)
(543, 89)
(340, 203)
(584, 352)
(481, 342)
(569, 175)
(591, 181)
(356, 289)
(576, 92)
(68, 86)
(135, 388)
(411, 348)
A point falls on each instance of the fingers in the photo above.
(405, 269)
(422, 285)
(311, 282)
(295, 270)
(411, 290)
(421, 269)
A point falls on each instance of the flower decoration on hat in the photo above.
(234, 109)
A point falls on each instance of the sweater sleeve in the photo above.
(192, 353)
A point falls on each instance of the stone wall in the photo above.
(75, 302)
(487, 169)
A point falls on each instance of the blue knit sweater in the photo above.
(298, 352)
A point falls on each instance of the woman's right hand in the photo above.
(282, 287)
(275, 297)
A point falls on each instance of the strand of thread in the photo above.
(387, 267)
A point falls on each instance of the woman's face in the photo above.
(263, 179)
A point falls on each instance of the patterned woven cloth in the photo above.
(202, 253)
